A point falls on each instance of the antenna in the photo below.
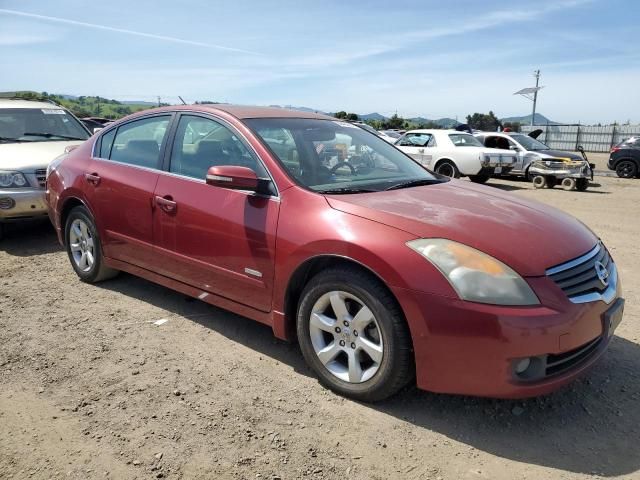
(182, 100)
(531, 93)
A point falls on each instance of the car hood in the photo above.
(526, 235)
(30, 156)
(558, 154)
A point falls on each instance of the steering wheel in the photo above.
(343, 164)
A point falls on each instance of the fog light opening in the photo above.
(7, 203)
(522, 365)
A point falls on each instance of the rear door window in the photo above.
(138, 143)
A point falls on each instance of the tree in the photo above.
(395, 122)
(341, 114)
(352, 116)
(483, 121)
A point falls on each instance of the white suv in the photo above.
(454, 154)
(31, 135)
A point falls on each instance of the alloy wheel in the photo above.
(81, 245)
(346, 337)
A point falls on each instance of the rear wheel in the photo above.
(479, 178)
(353, 335)
(626, 169)
(447, 168)
(84, 247)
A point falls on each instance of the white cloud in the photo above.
(96, 26)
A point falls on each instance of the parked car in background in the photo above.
(454, 154)
(526, 147)
(381, 134)
(95, 124)
(625, 158)
(390, 136)
(31, 135)
(379, 268)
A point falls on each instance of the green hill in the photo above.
(85, 106)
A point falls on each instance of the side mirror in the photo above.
(580, 148)
(97, 129)
(514, 148)
(237, 178)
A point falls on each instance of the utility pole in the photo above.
(535, 96)
(531, 93)
(158, 100)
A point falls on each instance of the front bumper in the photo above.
(24, 203)
(472, 349)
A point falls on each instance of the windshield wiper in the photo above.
(9, 139)
(51, 135)
(414, 183)
(346, 190)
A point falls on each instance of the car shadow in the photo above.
(25, 239)
(589, 427)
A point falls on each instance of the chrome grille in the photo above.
(41, 176)
(580, 280)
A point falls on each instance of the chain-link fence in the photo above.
(592, 139)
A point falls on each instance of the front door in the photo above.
(219, 240)
(414, 144)
(121, 179)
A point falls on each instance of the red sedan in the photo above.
(384, 271)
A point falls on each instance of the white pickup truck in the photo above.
(454, 154)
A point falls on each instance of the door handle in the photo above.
(92, 178)
(166, 203)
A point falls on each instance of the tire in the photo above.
(626, 169)
(448, 169)
(84, 248)
(384, 332)
(539, 181)
(479, 178)
(582, 184)
(568, 184)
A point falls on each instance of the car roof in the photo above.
(434, 130)
(20, 103)
(244, 111)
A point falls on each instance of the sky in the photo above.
(415, 57)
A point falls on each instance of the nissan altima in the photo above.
(384, 272)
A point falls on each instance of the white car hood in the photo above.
(29, 156)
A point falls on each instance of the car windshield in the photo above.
(464, 140)
(39, 125)
(529, 143)
(338, 157)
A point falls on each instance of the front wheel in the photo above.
(84, 247)
(354, 336)
(448, 169)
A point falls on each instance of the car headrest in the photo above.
(210, 148)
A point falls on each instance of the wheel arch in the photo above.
(306, 270)
(69, 204)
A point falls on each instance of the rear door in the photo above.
(218, 240)
(121, 179)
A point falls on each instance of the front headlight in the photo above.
(475, 276)
(12, 179)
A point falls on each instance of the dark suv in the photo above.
(625, 158)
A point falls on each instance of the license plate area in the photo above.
(613, 317)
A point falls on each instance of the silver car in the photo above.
(32, 134)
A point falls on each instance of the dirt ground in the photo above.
(90, 387)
